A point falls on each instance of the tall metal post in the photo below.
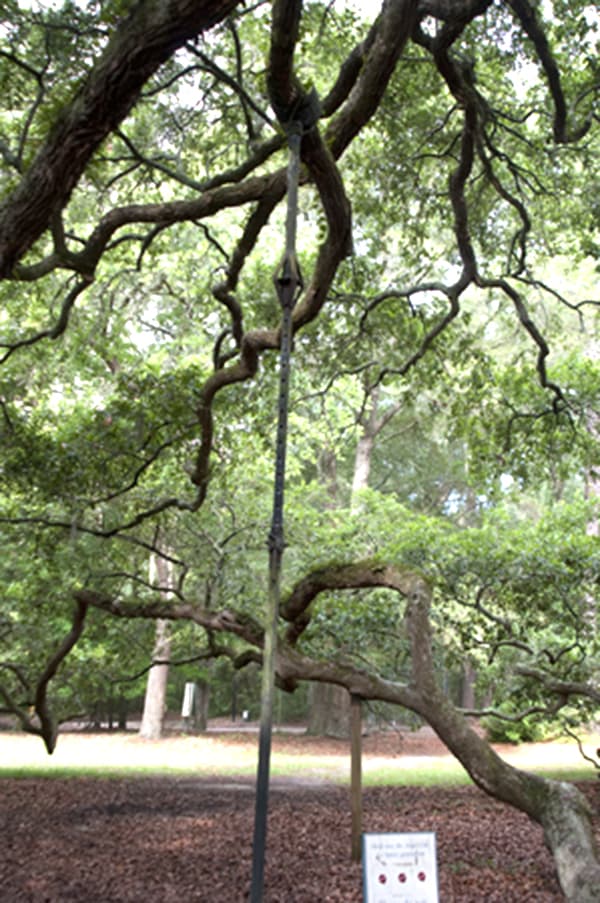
(288, 284)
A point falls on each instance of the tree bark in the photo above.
(122, 722)
(356, 776)
(329, 714)
(372, 424)
(155, 700)
(467, 686)
(202, 700)
(370, 427)
(153, 715)
(362, 462)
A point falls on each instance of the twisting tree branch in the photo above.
(527, 16)
(46, 725)
(51, 332)
(145, 39)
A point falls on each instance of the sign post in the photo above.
(400, 868)
(356, 776)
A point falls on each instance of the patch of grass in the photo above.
(452, 774)
(113, 772)
(583, 773)
(442, 774)
(129, 757)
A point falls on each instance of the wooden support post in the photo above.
(356, 777)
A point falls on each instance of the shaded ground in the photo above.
(189, 839)
(184, 840)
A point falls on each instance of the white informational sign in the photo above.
(189, 699)
(400, 868)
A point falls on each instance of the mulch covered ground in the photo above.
(186, 839)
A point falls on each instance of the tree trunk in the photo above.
(202, 700)
(329, 714)
(122, 722)
(156, 686)
(155, 701)
(558, 807)
(467, 688)
(234, 696)
(370, 427)
(327, 474)
(362, 463)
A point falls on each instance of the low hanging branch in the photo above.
(46, 725)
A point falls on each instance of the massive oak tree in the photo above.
(143, 150)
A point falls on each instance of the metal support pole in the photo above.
(287, 284)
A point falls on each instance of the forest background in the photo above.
(442, 481)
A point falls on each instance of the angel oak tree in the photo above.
(143, 146)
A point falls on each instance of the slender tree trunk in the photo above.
(370, 427)
(234, 697)
(122, 722)
(156, 686)
(362, 463)
(467, 688)
(327, 474)
(155, 700)
(202, 700)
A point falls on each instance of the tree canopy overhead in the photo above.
(448, 226)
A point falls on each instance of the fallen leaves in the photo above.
(186, 839)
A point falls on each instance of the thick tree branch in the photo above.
(284, 89)
(224, 621)
(385, 43)
(558, 687)
(146, 39)
(295, 609)
(224, 291)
